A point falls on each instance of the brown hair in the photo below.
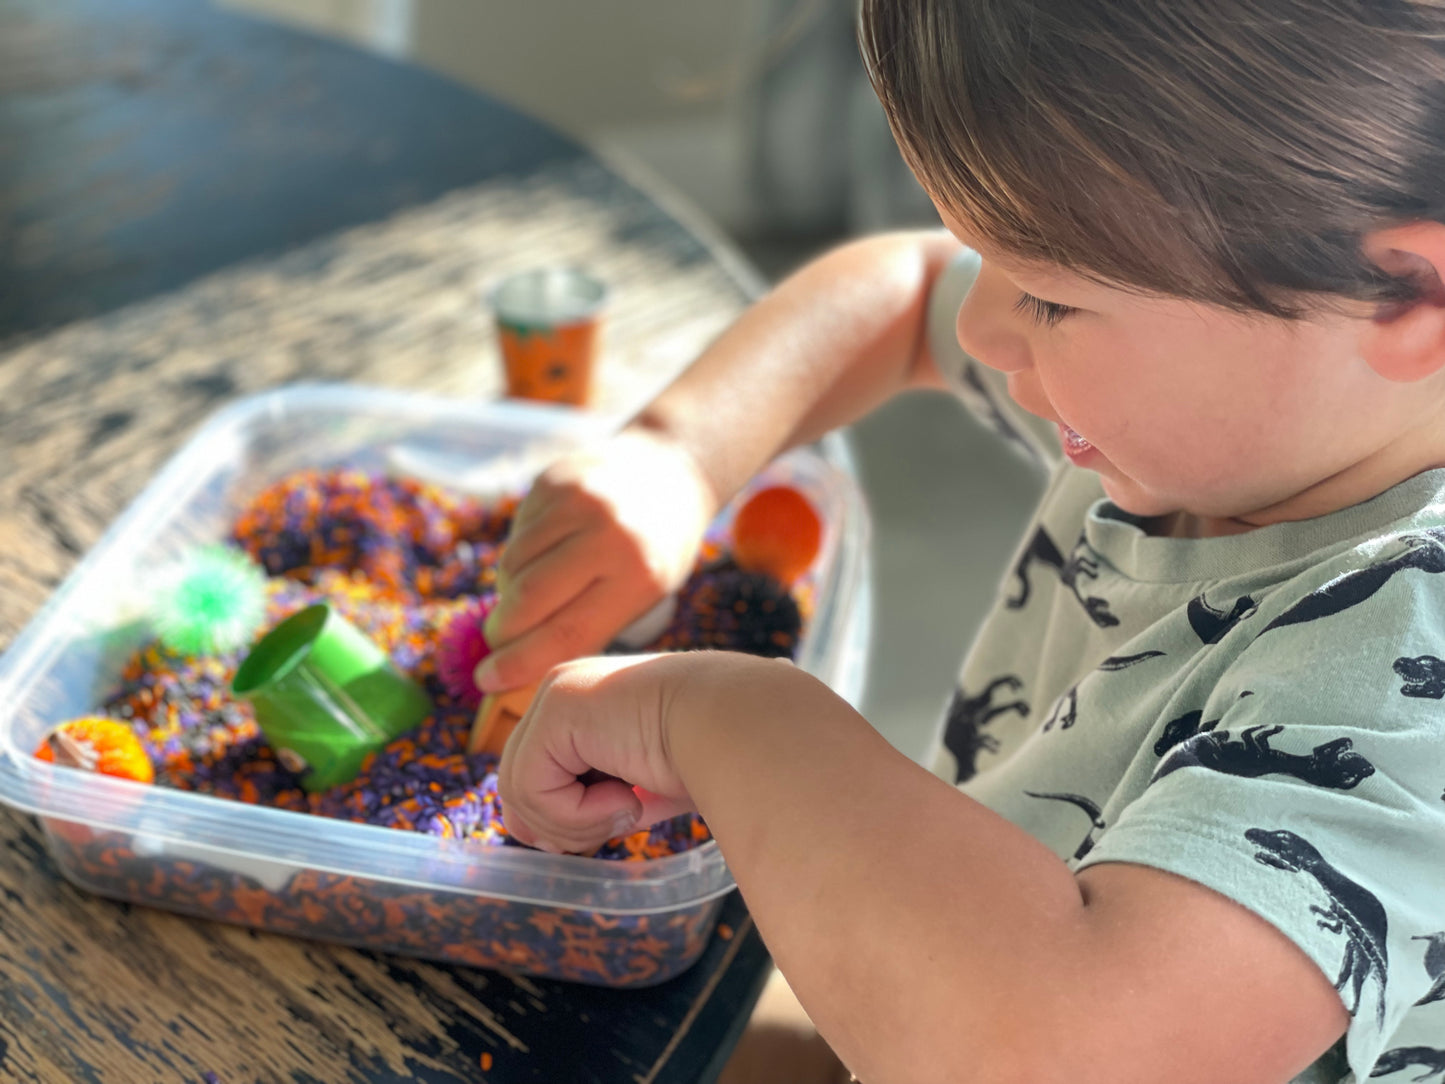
(1228, 151)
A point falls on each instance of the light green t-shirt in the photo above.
(1262, 713)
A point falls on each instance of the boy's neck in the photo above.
(1172, 525)
(1362, 482)
(1188, 525)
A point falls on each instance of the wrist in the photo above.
(658, 429)
(722, 702)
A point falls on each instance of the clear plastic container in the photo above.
(615, 923)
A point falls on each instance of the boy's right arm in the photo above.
(606, 533)
(833, 341)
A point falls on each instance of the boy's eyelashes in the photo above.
(1045, 313)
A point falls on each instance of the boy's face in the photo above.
(1189, 411)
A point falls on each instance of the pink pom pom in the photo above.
(460, 647)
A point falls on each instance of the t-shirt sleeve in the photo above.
(983, 390)
(1309, 790)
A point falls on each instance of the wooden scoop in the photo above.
(498, 717)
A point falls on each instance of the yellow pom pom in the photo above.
(101, 744)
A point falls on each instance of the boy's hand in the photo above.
(603, 534)
(591, 760)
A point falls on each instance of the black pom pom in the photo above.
(727, 609)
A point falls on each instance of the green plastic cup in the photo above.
(326, 696)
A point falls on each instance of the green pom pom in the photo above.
(212, 603)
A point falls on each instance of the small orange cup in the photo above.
(548, 324)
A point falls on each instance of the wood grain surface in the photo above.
(144, 284)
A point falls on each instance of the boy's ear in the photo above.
(1405, 341)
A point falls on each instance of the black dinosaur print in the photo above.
(1042, 548)
(1177, 731)
(1434, 966)
(1402, 1057)
(1210, 624)
(1096, 820)
(1185, 727)
(1332, 764)
(1123, 662)
(1424, 676)
(1065, 712)
(967, 714)
(1424, 552)
(1353, 911)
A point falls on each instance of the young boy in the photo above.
(1190, 823)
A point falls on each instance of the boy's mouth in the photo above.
(1075, 446)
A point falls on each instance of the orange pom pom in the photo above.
(99, 744)
(777, 532)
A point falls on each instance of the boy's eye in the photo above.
(1046, 313)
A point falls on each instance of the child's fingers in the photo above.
(540, 499)
(659, 807)
(608, 816)
(566, 776)
(584, 625)
(570, 632)
(518, 828)
(573, 822)
(561, 492)
(577, 819)
(549, 803)
(542, 589)
(527, 543)
(606, 809)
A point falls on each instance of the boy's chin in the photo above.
(1129, 498)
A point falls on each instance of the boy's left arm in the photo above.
(929, 938)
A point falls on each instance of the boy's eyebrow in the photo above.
(1010, 264)
(1036, 270)
(1044, 274)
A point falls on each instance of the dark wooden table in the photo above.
(194, 206)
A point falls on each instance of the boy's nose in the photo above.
(987, 328)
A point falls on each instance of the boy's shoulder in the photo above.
(1364, 624)
(1377, 569)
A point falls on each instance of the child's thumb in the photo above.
(659, 807)
(608, 805)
